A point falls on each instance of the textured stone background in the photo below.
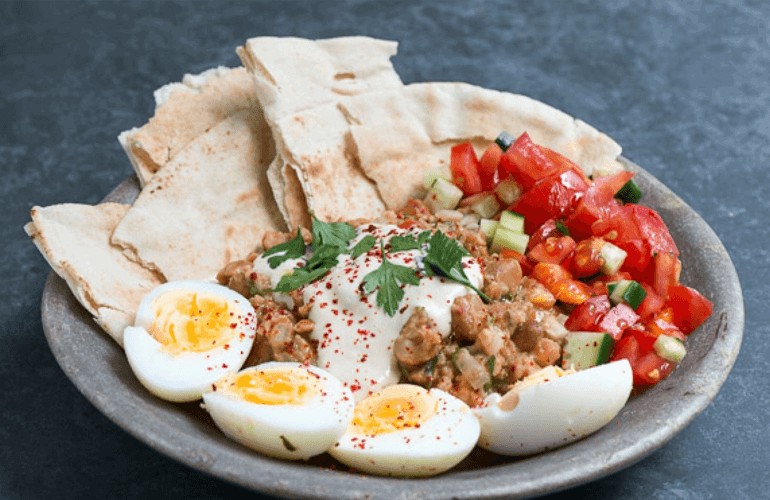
(683, 86)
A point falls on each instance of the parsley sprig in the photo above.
(387, 280)
(335, 234)
(444, 258)
(292, 249)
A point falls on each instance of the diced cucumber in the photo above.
(626, 291)
(437, 173)
(669, 348)
(487, 206)
(586, 349)
(613, 258)
(629, 193)
(488, 227)
(512, 220)
(443, 195)
(508, 190)
(505, 140)
(505, 238)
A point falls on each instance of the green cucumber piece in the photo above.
(629, 193)
(512, 220)
(443, 195)
(613, 257)
(626, 291)
(505, 140)
(669, 348)
(507, 239)
(586, 349)
(488, 227)
(508, 190)
(487, 206)
(431, 175)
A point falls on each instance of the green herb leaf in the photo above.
(322, 260)
(444, 258)
(293, 249)
(402, 243)
(337, 234)
(562, 228)
(424, 236)
(364, 245)
(388, 278)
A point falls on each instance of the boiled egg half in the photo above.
(552, 408)
(187, 335)
(282, 409)
(405, 430)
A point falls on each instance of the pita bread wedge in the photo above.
(183, 111)
(209, 205)
(75, 240)
(401, 134)
(294, 77)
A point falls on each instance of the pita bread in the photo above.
(401, 134)
(183, 111)
(293, 78)
(209, 205)
(75, 240)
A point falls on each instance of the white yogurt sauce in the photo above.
(355, 336)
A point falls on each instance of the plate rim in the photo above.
(227, 460)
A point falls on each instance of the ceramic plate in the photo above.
(186, 433)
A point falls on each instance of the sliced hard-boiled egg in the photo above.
(552, 408)
(405, 430)
(187, 335)
(284, 410)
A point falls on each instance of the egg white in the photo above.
(557, 412)
(285, 431)
(186, 375)
(437, 445)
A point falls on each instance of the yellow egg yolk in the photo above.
(394, 408)
(191, 321)
(294, 386)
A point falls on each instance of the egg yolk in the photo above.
(394, 408)
(191, 321)
(276, 387)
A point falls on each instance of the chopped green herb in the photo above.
(299, 278)
(430, 366)
(444, 258)
(562, 228)
(364, 245)
(402, 243)
(491, 365)
(337, 234)
(424, 236)
(292, 249)
(388, 278)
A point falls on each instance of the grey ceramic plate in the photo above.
(185, 433)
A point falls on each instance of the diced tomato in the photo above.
(407, 224)
(587, 260)
(571, 291)
(526, 266)
(546, 230)
(550, 274)
(644, 337)
(618, 319)
(654, 230)
(553, 250)
(690, 308)
(526, 162)
(651, 304)
(465, 168)
(597, 203)
(551, 198)
(588, 315)
(488, 170)
(563, 163)
(660, 326)
(649, 369)
(667, 268)
(626, 348)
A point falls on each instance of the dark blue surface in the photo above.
(682, 86)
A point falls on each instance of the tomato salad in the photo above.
(611, 263)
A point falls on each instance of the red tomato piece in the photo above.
(587, 316)
(618, 319)
(587, 260)
(597, 203)
(488, 169)
(649, 369)
(651, 304)
(526, 162)
(666, 273)
(546, 230)
(553, 250)
(551, 198)
(550, 274)
(571, 291)
(465, 168)
(626, 348)
(690, 308)
(563, 163)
